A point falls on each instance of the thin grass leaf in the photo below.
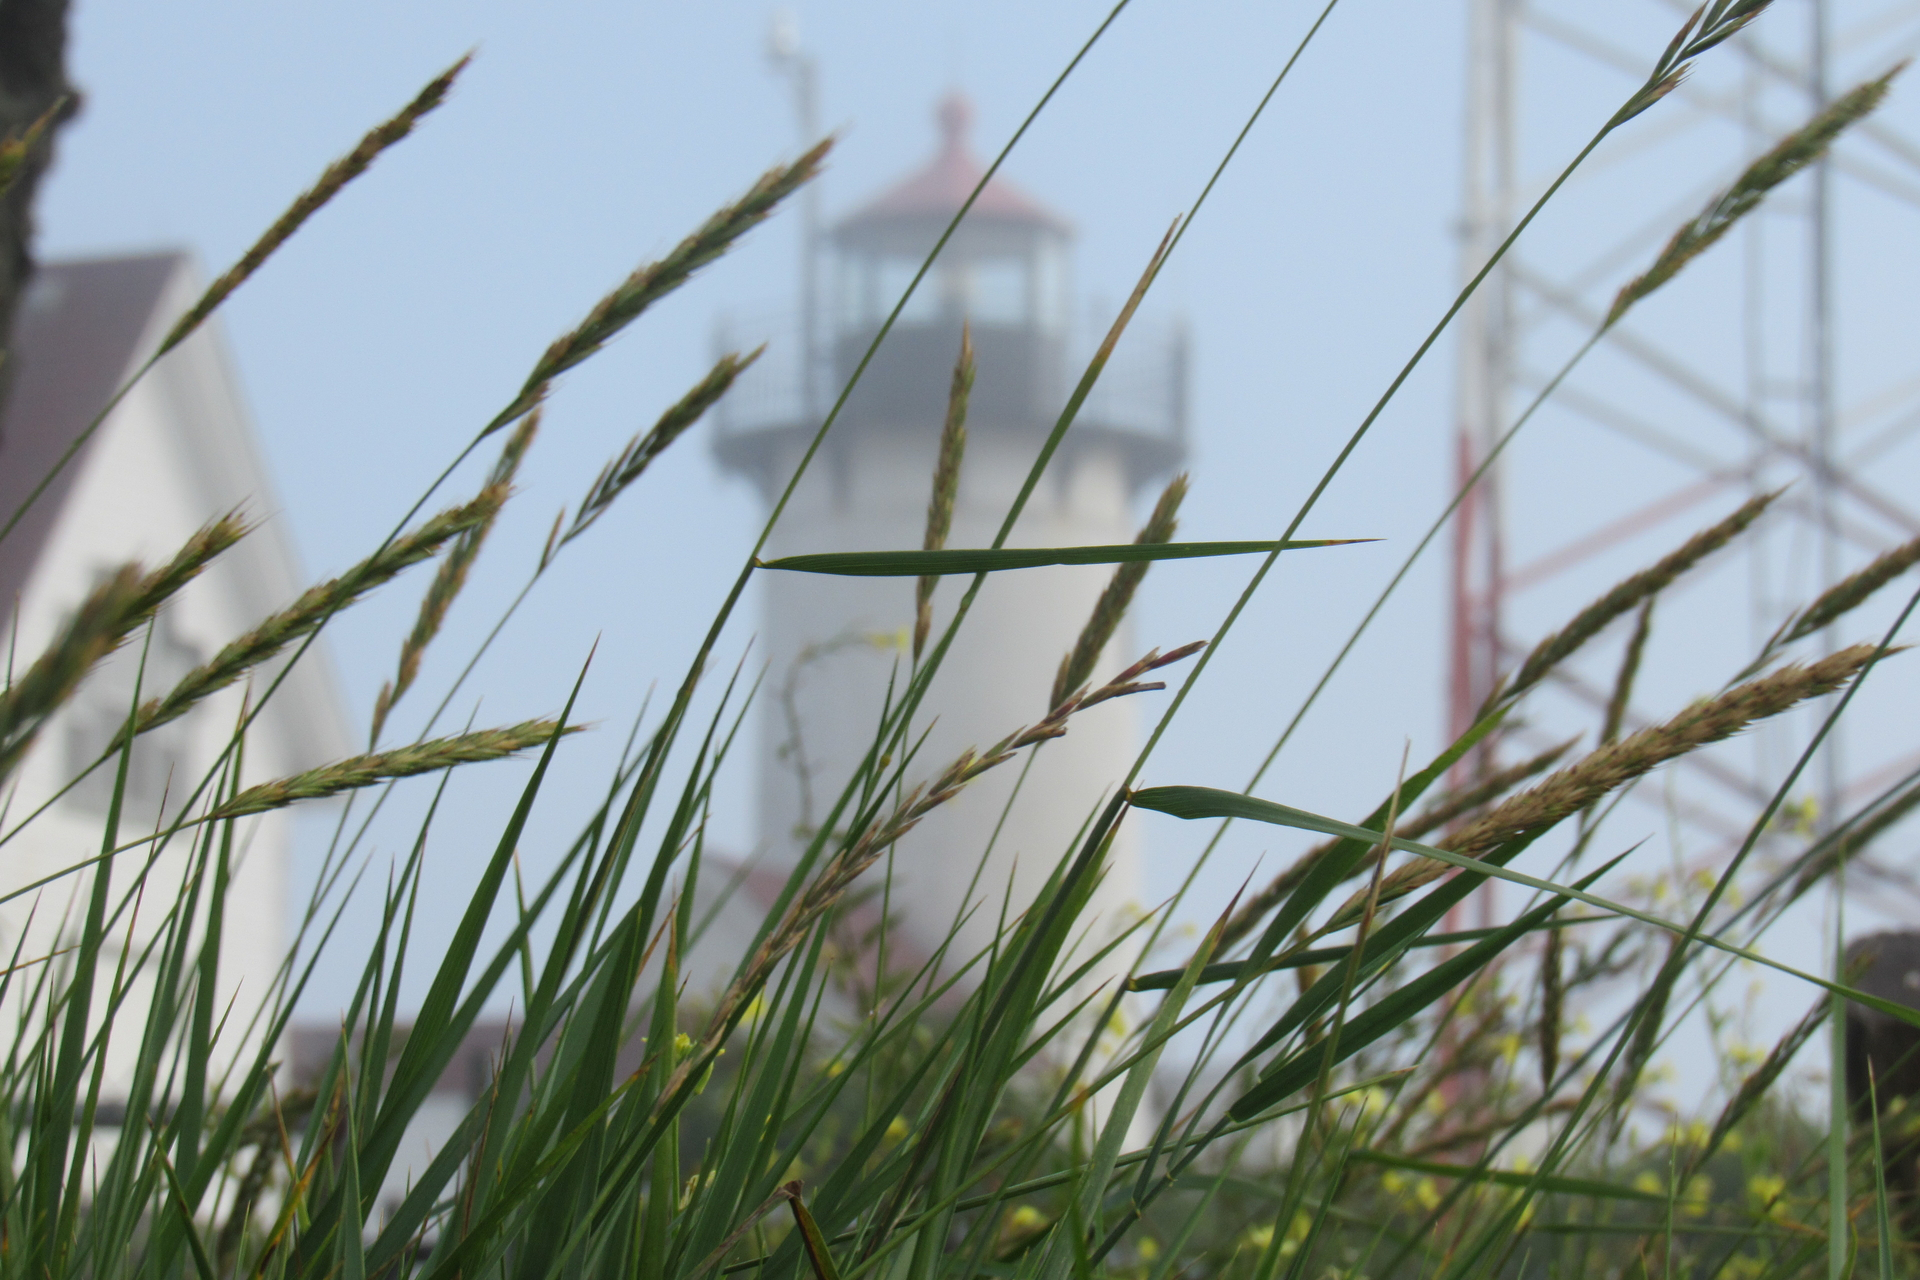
(654, 281)
(1557, 647)
(177, 1200)
(1299, 1069)
(819, 1256)
(910, 564)
(1441, 812)
(337, 175)
(1792, 154)
(1883, 1219)
(381, 766)
(1108, 611)
(640, 452)
(1314, 957)
(946, 484)
(1554, 1183)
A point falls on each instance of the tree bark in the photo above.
(33, 79)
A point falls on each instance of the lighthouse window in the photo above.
(1050, 289)
(995, 291)
(895, 275)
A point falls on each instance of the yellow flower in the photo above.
(1025, 1218)
(896, 1129)
(1149, 1249)
(1649, 1182)
(1698, 1197)
(1426, 1193)
(1765, 1191)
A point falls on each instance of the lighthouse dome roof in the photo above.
(939, 189)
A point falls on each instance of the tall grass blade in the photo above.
(910, 564)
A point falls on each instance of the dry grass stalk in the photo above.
(1629, 671)
(1610, 767)
(1442, 811)
(315, 606)
(643, 449)
(1850, 593)
(1560, 645)
(848, 864)
(1756, 1086)
(946, 485)
(403, 762)
(1108, 611)
(451, 577)
(1552, 1010)
(112, 611)
(655, 280)
(337, 175)
(1793, 153)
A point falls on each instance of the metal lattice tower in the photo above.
(1773, 362)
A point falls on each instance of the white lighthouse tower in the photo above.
(833, 644)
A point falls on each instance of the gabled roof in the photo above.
(944, 183)
(74, 342)
(84, 327)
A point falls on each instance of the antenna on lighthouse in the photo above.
(787, 57)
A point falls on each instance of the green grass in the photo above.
(1326, 1083)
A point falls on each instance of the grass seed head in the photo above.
(1562, 644)
(654, 281)
(316, 605)
(630, 462)
(1852, 591)
(1117, 597)
(946, 485)
(1533, 812)
(337, 175)
(451, 576)
(1793, 153)
(404, 762)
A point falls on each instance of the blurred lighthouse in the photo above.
(833, 644)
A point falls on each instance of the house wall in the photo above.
(161, 466)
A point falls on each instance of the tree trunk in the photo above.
(33, 78)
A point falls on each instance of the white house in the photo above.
(176, 452)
